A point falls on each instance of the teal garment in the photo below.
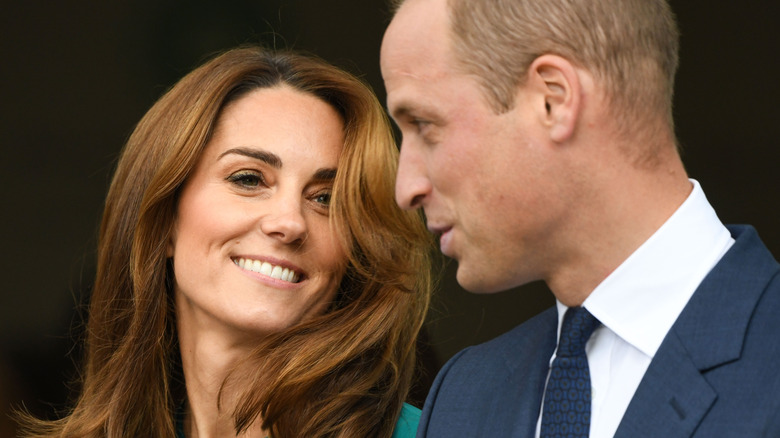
(405, 427)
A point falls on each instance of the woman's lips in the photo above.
(277, 272)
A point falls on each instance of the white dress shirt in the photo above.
(639, 302)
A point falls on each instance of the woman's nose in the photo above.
(286, 222)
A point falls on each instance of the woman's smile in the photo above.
(275, 271)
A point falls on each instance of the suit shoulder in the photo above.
(531, 334)
(532, 339)
(471, 392)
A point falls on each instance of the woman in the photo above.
(255, 276)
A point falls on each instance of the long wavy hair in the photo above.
(345, 373)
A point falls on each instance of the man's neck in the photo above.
(622, 206)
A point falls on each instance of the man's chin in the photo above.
(480, 281)
(478, 284)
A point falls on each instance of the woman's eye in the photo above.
(323, 199)
(247, 179)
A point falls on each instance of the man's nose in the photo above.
(412, 184)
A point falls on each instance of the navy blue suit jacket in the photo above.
(716, 374)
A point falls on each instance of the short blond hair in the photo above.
(630, 46)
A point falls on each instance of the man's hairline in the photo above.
(460, 67)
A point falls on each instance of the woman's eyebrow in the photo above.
(324, 175)
(321, 175)
(269, 158)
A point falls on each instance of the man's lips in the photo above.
(438, 229)
(445, 238)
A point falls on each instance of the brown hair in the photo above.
(631, 46)
(345, 373)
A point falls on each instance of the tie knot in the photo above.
(578, 325)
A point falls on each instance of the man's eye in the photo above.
(420, 124)
(247, 179)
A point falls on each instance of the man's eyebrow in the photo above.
(407, 110)
(403, 109)
(269, 158)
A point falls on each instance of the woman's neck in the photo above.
(208, 357)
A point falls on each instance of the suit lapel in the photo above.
(674, 396)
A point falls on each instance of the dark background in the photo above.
(75, 77)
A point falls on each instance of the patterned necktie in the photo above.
(566, 410)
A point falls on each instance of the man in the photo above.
(538, 138)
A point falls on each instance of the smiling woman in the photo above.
(255, 276)
(254, 215)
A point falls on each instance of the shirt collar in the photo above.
(643, 297)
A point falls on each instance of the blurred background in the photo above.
(77, 75)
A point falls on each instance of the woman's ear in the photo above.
(170, 246)
(560, 90)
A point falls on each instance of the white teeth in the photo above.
(268, 269)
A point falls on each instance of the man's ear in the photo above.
(558, 85)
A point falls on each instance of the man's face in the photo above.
(486, 181)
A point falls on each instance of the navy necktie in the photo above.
(566, 410)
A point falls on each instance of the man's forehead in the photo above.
(420, 28)
(410, 85)
(416, 44)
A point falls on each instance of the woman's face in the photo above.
(252, 249)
